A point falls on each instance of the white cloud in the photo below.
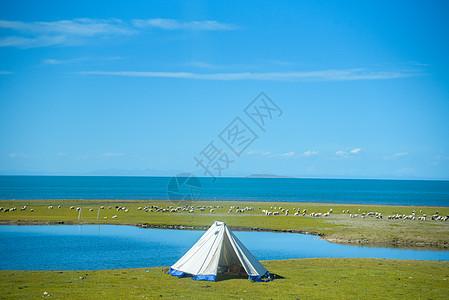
(270, 154)
(19, 155)
(61, 154)
(310, 153)
(355, 151)
(51, 61)
(199, 64)
(396, 156)
(111, 154)
(325, 75)
(83, 156)
(287, 154)
(77, 31)
(341, 153)
(170, 24)
(65, 32)
(347, 154)
(255, 152)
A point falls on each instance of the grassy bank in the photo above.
(340, 278)
(337, 227)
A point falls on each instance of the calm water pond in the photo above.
(96, 247)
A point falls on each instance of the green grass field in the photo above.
(340, 278)
(337, 227)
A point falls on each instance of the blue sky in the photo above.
(102, 88)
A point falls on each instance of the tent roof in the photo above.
(217, 247)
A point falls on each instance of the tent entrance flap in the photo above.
(217, 247)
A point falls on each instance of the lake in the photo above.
(362, 191)
(96, 247)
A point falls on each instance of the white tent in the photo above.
(218, 247)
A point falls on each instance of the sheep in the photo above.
(72, 207)
(115, 216)
(59, 206)
(304, 211)
(343, 211)
(286, 212)
(78, 208)
(102, 207)
(212, 210)
(139, 208)
(50, 207)
(126, 210)
(31, 210)
(276, 213)
(110, 207)
(1, 208)
(24, 207)
(91, 209)
(331, 210)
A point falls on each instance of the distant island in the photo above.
(267, 176)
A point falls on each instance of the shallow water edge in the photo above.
(342, 241)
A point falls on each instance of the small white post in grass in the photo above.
(80, 214)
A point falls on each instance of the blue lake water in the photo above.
(362, 191)
(96, 247)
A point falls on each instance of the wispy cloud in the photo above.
(287, 154)
(111, 154)
(170, 24)
(20, 155)
(270, 154)
(65, 32)
(396, 156)
(355, 151)
(76, 31)
(310, 153)
(326, 75)
(52, 61)
(199, 64)
(255, 152)
(345, 154)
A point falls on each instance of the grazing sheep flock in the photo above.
(272, 211)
